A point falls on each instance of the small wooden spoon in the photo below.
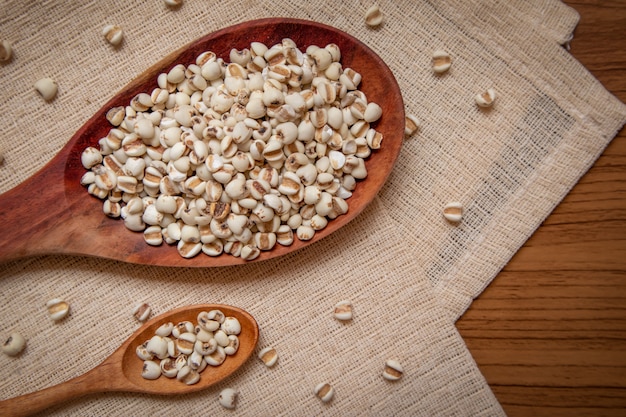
(51, 213)
(122, 370)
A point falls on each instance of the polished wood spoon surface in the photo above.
(51, 213)
(122, 370)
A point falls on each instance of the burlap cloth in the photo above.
(408, 272)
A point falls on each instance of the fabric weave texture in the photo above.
(409, 274)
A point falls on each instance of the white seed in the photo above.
(203, 366)
(127, 184)
(205, 348)
(372, 112)
(151, 215)
(305, 232)
(195, 360)
(322, 58)
(166, 204)
(216, 315)
(142, 102)
(188, 375)
(337, 159)
(203, 335)
(373, 16)
(168, 367)
(6, 50)
(151, 370)
(221, 338)
(284, 235)
(264, 213)
(339, 207)
(359, 171)
(190, 234)
(210, 321)
(241, 57)
(326, 92)
(88, 178)
(228, 398)
(290, 184)
(236, 188)
(144, 128)
(153, 235)
(173, 3)
(486, 98)
(181, 361)
(392, 370)
(171, 233)
(143, 354)
(175, 76)
(165, 329)
(97, 192)
(453, 212)
(343, 310)
(182, 327)
(185, 343)
(318, 222)
(258, 48)
(441, 61)
(312, 194)
(351, 79)
(265, 242)
(14, 344)
(189, 249)
(57, 309)
(233, 345)
(274, 201)
(250, 252)
(113, 34)
(107, 180)
(133, 222)
(411, 124)
(324, 392)
(211, 70)
(171, 348)
(142, 311)
(269, 356)
(325, 203)
(216, 358)
(374, 139)
(90, 157)
(47, 87)
(158, 346)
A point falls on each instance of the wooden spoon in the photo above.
(51, 213)
(122, 370)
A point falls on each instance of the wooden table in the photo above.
(549, 333)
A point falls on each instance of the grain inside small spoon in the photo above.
(122, 370)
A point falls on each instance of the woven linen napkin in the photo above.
(391, 261)
(396, 315)
(509, 165)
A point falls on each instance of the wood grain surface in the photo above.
(549, 333)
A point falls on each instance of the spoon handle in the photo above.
(98, 379)
(30, 214)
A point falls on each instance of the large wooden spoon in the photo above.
(122, 370)
(51, 213)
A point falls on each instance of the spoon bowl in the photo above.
(122, 370)
(132, 365)
(51, 213)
